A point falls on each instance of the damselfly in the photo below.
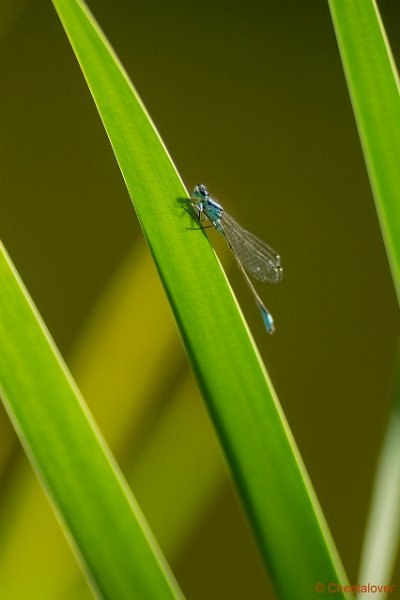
(252, 255)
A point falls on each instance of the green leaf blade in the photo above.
(375, 94)
(374, 89)
(264, 459)
(102, 520)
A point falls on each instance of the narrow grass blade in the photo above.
(382, 535)
(92, 500)
(277, 494)
(381, 542)
(101, 363)
(374, 90)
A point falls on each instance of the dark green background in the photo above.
(250, 98)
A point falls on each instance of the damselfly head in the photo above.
(200, 192)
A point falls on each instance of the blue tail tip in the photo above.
(268, 321)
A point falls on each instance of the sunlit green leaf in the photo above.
(275, 489)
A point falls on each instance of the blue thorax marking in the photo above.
(213, 210)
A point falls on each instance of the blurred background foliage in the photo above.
(251, 100)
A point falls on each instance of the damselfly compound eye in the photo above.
(202, 189)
